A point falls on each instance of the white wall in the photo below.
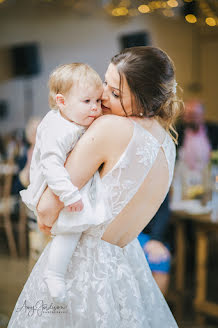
(64, 37)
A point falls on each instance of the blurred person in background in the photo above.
(21, 179)
(155, 246)
(15, 144)
(195, 145)
(191, 177)
(193, 119)
(194, 153)
(23, 159)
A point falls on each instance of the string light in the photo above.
(191, 18)
(172, 3)
(163, 4)
(158, 4)
(123, 11)
(206, 13)
(115, 12)
(210, 21)
(143, 9)
(153, 5)
(120, 11)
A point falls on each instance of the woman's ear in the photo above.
(60, 100)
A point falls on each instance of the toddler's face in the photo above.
(82, 104)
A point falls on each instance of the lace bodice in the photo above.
(125, 178)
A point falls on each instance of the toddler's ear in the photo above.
(60, 100)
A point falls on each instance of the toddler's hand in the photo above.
(75, 207)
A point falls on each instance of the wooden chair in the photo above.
(7, 202)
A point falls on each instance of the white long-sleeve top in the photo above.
(55, 138)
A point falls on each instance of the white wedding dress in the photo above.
(108, 286)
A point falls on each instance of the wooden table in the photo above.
(203, 226)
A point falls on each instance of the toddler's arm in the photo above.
(92, 148)
(54, 148)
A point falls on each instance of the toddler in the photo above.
(75, 99)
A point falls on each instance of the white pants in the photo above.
(61, 251)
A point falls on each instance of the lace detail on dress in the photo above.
(170, 153)
(122, 183)
(113, 287)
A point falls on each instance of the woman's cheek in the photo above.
(114, 107)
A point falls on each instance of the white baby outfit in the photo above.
(56, 137)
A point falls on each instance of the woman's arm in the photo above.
(89, 153)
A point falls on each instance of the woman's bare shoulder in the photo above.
(112, 124)
(108, 134)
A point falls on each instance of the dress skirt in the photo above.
(108, 287)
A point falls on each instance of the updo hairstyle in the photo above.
(150, 75)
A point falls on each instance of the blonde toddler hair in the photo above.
(64, 77)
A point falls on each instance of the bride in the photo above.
(108, 279)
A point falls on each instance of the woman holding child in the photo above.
(108, 281)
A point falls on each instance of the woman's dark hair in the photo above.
(150, 75)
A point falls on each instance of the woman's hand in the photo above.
(156, 251)
(45, 229)
(48, 208)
